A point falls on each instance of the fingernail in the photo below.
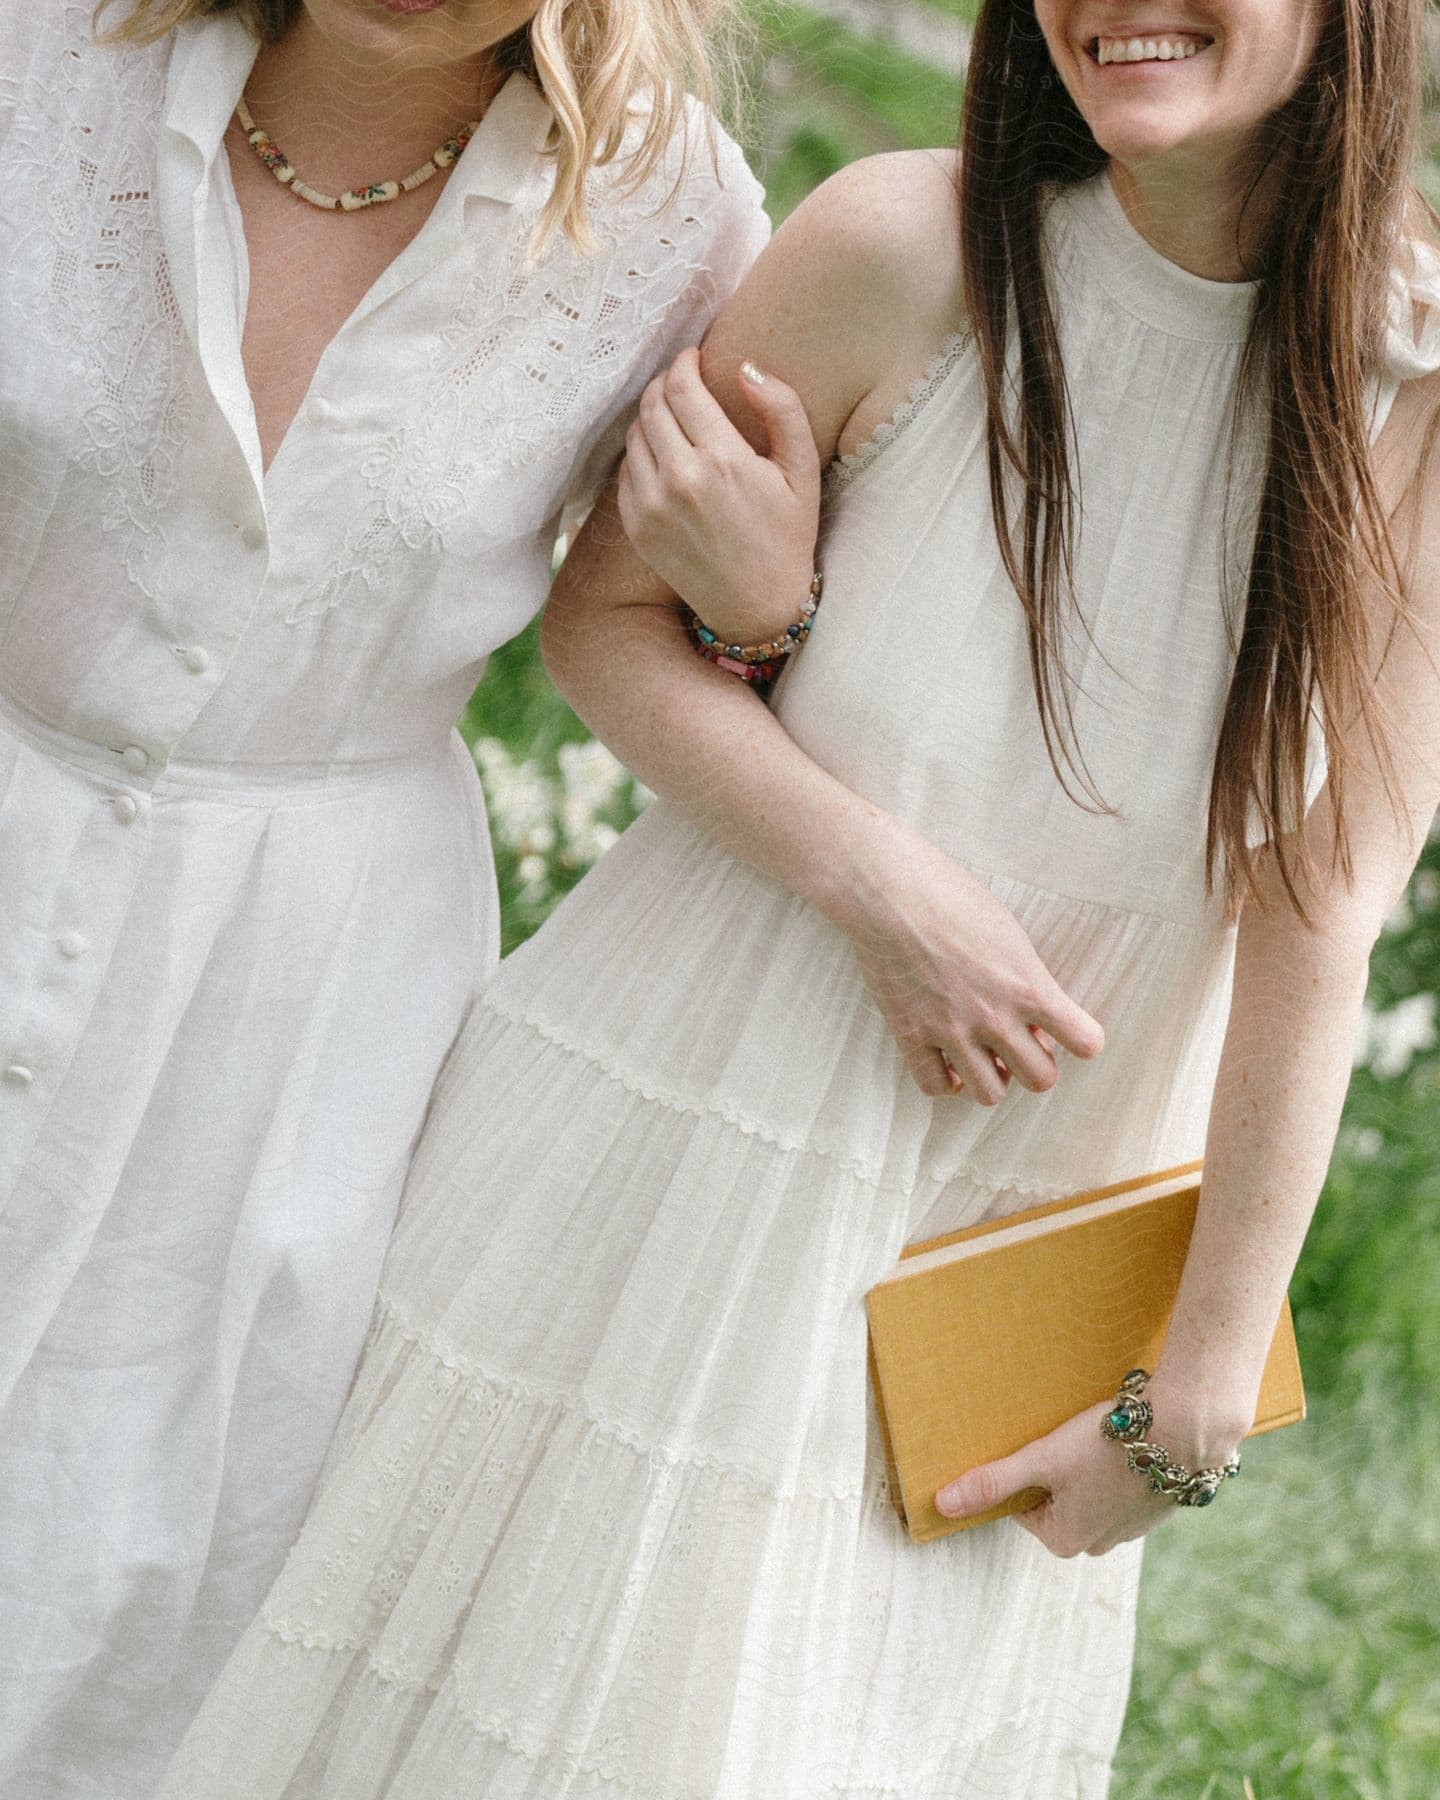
(947, 1501)
(752, 374)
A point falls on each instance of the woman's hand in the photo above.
(1094, 1500)
(731, 529)
(960, 985)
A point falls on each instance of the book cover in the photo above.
(989, 1337)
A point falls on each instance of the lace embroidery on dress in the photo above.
(844, 469)
(527, 354)
(90, 260)
(488, 1388)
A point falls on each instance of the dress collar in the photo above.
(210, 63)
(1139, 279)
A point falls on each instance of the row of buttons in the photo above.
(70, 944)
(135, 759)
(196, 659)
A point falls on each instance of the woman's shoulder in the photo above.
(892, 224)
(697, 194)
(699, 159)
(878, 248)
(860, 285)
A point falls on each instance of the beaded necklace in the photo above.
(276, 161)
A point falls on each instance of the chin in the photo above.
(1138, 139)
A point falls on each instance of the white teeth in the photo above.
(1113, 50)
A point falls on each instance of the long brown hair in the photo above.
(590, 58)
(1345, 141)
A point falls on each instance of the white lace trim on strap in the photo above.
(844, 469)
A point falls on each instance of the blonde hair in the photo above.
(597, 62)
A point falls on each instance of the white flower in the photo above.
(521, 799)
(1387, 1042)
(1400, 918)
(590, 775)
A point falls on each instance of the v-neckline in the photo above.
(224, 193)
(503, 164)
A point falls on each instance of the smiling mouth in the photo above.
(1171, 46)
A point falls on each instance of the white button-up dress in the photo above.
(245, 883)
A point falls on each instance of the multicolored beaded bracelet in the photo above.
(756, 662)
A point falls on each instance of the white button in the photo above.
(74, 943)
(253, 537)
(18, 1075)
(319, 410)
(135, 759)
(197, 659)
(125, 809)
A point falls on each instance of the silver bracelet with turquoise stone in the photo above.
(1127, 1422)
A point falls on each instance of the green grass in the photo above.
(1288, 1636)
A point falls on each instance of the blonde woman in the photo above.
(606, 1517)
(278, 474)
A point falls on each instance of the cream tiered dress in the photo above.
(606, 1517)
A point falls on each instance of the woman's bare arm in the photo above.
(1285, 1066)
(844, 306)
(1295, 1009)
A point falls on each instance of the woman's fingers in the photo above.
(787, 425)
(986, 1486)
(1070, 1025)
(976, 1067)
(931, 1073)
(1028, 1061)
(671, 448)
(697, 412)
(638, 486)
(640, 459)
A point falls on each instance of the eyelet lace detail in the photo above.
(528, 357)
(91, 267)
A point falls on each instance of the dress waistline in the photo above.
(197, 775)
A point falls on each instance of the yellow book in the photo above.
(987, 1338)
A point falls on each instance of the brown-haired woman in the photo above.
(252, 560)
(607, 1513)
